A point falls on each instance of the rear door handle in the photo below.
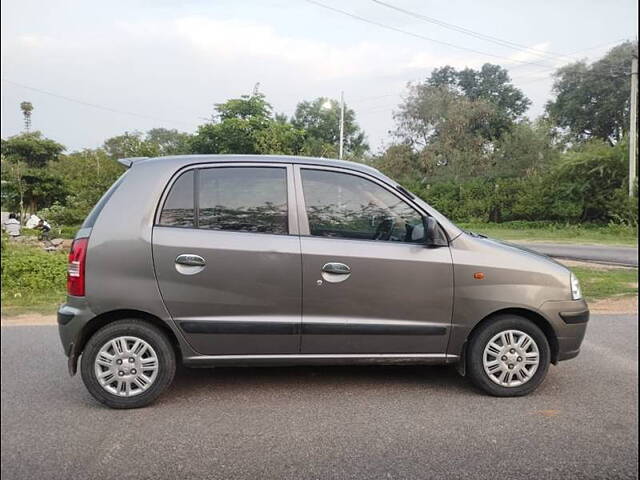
(336, 268)
(190, 260)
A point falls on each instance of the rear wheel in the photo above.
(508, 357)
(128, 364)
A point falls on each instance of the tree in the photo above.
(320, 118)
(24, 157)
(595, 175)
(527, 149)
(86, 176)
(280, 139)
(235, 126)
(445, 128)
(130, 144)
(592, 101)
(491, 84)
(32, 148)
(26, 108)
(169, 142)
(246, 125)
(247, 107)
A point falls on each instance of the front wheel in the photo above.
(508, 357)
(128, 364)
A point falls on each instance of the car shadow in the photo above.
(192, 381)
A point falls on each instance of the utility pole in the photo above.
(342, 121)
(633, 127)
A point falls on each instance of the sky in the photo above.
(93, 69)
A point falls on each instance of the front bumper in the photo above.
(72, 317)
(569, 321)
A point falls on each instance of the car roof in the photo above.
(176, 162)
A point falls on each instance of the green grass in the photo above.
(600, 283)
(44, 303)
(32, 280)
(557, 233)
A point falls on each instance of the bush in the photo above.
(30, 270)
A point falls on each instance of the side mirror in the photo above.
(432, 235)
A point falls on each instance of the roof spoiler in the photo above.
(128, 162)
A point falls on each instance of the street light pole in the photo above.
(633, 127)
(342, 123)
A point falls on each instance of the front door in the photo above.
(227, 259)
(370, 285)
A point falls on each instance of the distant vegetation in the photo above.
(461, 142)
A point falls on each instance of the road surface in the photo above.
(612, 255)
(325, 422)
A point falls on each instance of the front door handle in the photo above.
(336, 268)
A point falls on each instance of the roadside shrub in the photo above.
(30, 270)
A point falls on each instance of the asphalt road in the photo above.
(627, 256)
(325, 423)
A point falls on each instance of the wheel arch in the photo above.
(539, 320)
(105, 318)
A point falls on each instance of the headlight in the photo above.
(576, 292)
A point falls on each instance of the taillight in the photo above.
(75, 270)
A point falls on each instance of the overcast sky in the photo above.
(164, 63)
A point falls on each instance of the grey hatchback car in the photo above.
(271, 260)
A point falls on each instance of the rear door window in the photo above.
(243, 199)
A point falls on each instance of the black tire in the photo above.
(481, 338)
(145, 331)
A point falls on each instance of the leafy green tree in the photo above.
(320, 118)
(169, 141)
(528, 148)
(445, 128)
(86, 175)
(31, 148)
(404, 164)
(592, 101)
(280, 139)
(247, 107)
(595, 176)
(490, 84)
(246, 125)
(130, 144)
(24, 177)
(235, 128)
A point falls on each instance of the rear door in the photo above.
(227, 258)
(370, 285)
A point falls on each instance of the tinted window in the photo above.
(349, 206)
(245, 199)
(178, 208)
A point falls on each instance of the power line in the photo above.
(417, 35)
(466, 31)
(93, 105)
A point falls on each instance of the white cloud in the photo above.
(241, 41)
